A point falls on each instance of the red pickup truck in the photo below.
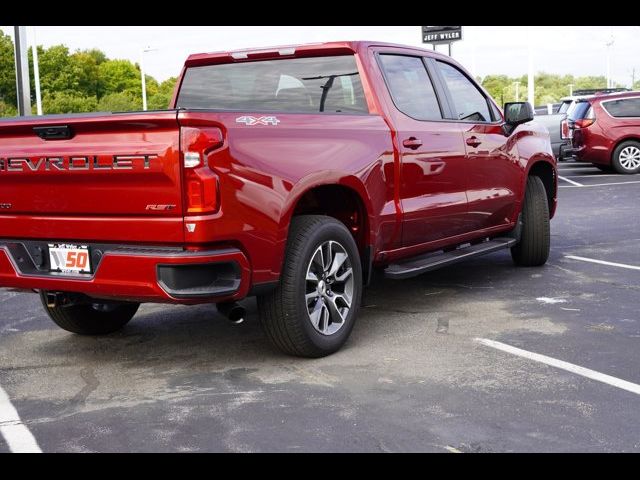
(289, 174)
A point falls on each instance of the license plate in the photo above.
(66, 258)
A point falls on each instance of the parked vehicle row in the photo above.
(558, 125)
(606, 131)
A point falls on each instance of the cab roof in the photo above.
(298, 50)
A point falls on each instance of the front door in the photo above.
(492, 166)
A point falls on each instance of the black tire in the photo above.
(283, 312)
(533, 248)
(616, 158)
(91, 319)
(603, 168)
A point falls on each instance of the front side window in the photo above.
(625, 107)
(410, 87)
(301, 85)
(469, 102)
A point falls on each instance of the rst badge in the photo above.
(5, 206)
(250, 121)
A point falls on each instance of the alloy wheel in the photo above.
(329, 287)
(630, 158)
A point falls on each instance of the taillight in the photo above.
(200, 182)
(585, 122)
(564, 129)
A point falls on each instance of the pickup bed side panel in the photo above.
(265, 168)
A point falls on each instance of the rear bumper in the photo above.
(585, 153)
(566, 151)
(163, 275)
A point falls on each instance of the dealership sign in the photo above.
(441, 34)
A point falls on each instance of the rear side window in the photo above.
(300, 85)
(470, 103)
(410, 87)
(625, 107)
(579, 111)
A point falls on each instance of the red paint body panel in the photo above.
(130, 276)
(597, 142)
(440, 195)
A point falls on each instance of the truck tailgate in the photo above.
(113, 177)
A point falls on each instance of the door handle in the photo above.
(412, 142)
(473, 142)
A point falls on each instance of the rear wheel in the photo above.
(312, 311)
(533, 248)
(626, 158)
(91, 318)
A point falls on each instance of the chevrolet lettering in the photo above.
(76, 162)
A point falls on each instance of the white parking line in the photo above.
(569, 367)
(598, 175)
(603, 262)
(570, 181)
(16, 434)
(597, 184)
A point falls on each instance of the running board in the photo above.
(427, 262)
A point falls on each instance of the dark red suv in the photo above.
(606, 131)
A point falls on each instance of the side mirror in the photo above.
(516, 113)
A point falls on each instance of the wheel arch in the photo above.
(336, 195)
(547, 172)
(626, 138)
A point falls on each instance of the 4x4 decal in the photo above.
(250, 121)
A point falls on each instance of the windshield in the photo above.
(314, 84)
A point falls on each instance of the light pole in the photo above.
(570, 89)
(23, 90)
(530, 78)
(36, 71)
(144, 80)
(517, 84)
(609, 44)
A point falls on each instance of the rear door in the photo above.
(432, 178)
(492, 167)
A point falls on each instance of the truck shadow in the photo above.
(169, 335)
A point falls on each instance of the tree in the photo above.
(85, 66)
(7, 72)
(64, 102)
(97, 55)
(118, 76)
(7, 110)
(119, 102)
(57, 73)
(160, 100)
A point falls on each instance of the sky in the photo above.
(483, 50)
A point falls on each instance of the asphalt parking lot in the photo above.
(413, 376)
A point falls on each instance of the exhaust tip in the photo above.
(234, 312)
